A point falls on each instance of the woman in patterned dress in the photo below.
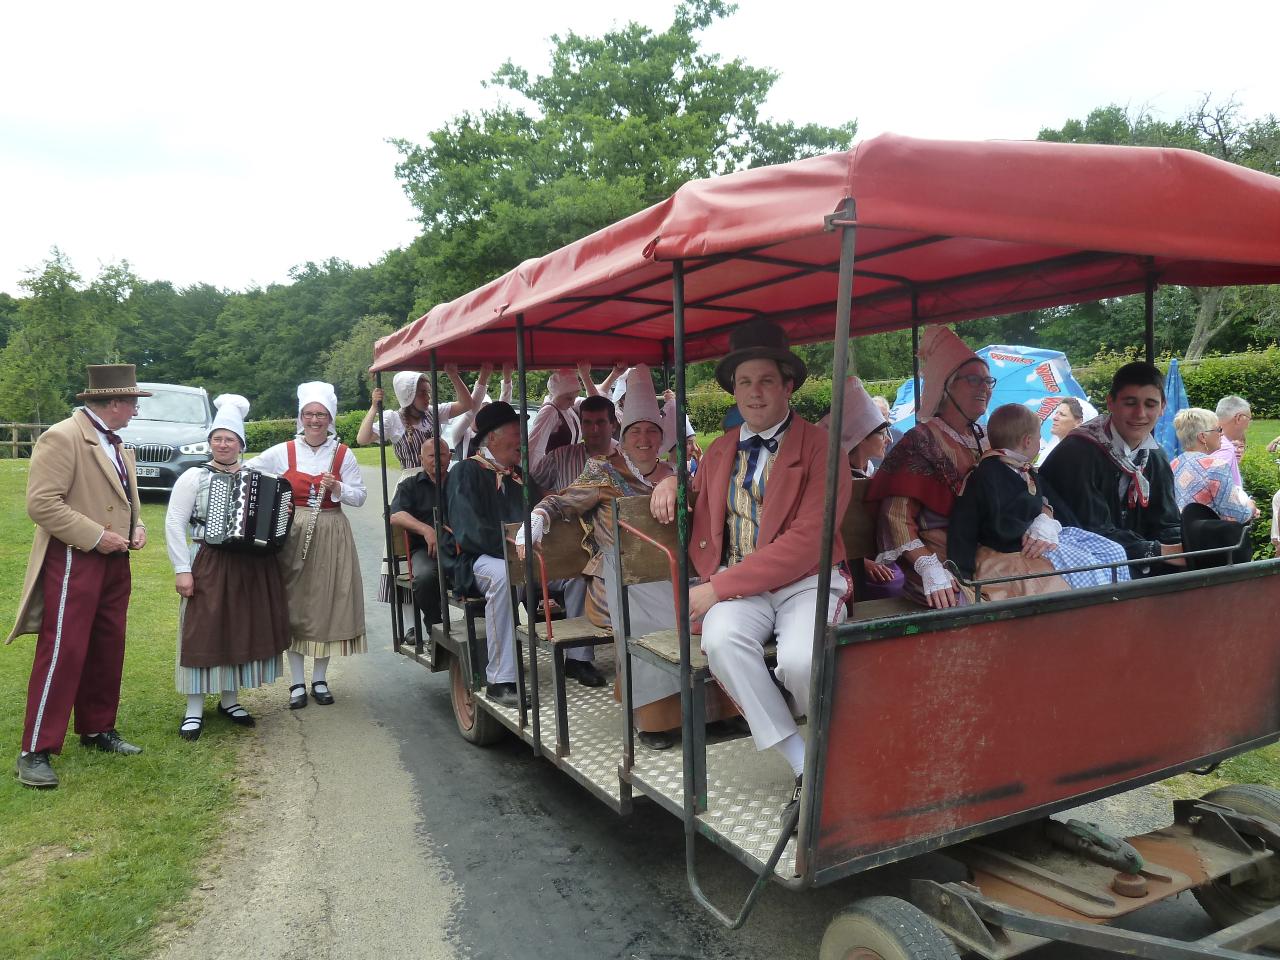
(631, 470)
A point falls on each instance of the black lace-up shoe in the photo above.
(34, 770)
(110, 742)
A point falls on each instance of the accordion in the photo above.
(248, 511)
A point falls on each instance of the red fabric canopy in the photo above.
(963, 229)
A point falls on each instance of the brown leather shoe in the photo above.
(34, 770)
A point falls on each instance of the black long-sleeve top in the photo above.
(477, 510)
(1089, 482)
(995, 510)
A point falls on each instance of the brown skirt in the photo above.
(238, 613)
(326, 594)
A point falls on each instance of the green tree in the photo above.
(56, 335)
(1216, 314)
(616, 124)
(8, 316)
(346, 363)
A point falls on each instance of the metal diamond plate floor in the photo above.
(746, 789)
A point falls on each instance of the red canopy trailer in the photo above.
(935, 728)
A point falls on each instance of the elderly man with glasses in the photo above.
(82, 494)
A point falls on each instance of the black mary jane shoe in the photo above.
(110, 742)
(243, 719)
(321, 696)
(297, 700)
(656, 739)
(188, 732)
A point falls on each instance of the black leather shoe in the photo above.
(34, 770)
(320, 693)
(110, 742)
(792, 804)
(243, 718)
(190, 727)
(656, 739)
(503, 694)
(585, 672)
(297, 696)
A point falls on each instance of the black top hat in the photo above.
(492, 416)
(759, 340)
(109, 380)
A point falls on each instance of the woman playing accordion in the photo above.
(232, 620)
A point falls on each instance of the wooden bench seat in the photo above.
(879, 609)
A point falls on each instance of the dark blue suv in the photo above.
(169, 434)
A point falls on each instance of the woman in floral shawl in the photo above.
(631, 470)
(1214, 507)
(924, 473)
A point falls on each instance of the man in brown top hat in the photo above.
(83, 496)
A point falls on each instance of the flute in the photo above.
(317, 494)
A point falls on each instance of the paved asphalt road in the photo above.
(544, 870)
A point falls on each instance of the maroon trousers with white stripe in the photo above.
(80, 648)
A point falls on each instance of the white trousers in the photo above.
(491, 576)
(734, 633)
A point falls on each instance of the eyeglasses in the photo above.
(131, 402)
(315, 416)
(974, 380)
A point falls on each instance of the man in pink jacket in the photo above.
(758, 501)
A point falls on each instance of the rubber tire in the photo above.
(1225, 904)
(476, 724)
(884, 928)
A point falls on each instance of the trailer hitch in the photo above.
(1091, 842)
(1204, 816)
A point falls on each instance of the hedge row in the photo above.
(708, 406)
(1261, 478)
(260, 434)
(1254, 376)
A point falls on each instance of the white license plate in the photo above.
(148, 471)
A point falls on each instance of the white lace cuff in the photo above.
(887, 557)
(1044, 527)
(536, 523)
(933, 575)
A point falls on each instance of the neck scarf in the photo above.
(1017, 462)
(1135, 490)
(753, 444)
(114, 439)
(486, 460)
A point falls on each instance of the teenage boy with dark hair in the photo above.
(1114, 477)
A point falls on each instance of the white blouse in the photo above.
(177, 520)
(276, 460)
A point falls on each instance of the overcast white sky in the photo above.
(226, 143)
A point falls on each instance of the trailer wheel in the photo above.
(1227, 904)
(476, 725)
(884, 928)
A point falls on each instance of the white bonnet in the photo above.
(317, 391)
(232, 409)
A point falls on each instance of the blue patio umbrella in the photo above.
(1035, 378)
(1175, 399)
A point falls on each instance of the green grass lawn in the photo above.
(88, 869)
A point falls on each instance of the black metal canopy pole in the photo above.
(531, 607)
(824, 641)
(1151, 317)
(915, 349)
(397, 625)
(436, 520)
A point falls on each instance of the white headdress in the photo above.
(405, 386)
(317, 391)
(232, 409)
(861, 415)
(642, 404)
